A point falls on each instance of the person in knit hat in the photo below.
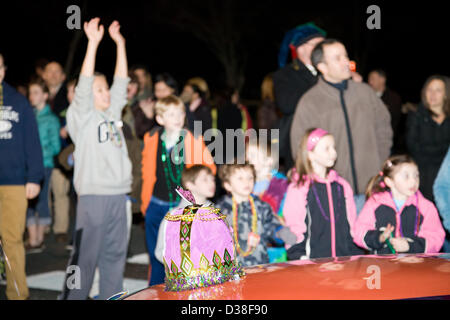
(291, 81)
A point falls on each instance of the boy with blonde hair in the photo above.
(168, 149)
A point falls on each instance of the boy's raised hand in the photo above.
(93, 31)
(114, 32)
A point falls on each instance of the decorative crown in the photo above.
(199, 249)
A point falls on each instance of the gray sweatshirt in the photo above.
(102, 165)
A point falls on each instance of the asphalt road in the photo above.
(45, 270)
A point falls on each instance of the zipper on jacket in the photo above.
(332, 226)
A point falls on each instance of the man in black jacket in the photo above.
(294, 79)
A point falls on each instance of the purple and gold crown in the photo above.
(199, 248)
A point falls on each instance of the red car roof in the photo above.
(359, 277)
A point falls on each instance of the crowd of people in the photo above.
(354, 171)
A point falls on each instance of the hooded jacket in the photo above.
(20, 149)
(417, 220)
(321, 213)
(102, 165)
(195, 153)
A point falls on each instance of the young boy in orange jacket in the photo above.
(167, 151)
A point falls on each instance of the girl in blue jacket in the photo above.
(38, 212)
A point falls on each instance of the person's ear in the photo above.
(45, 96)
(388, 182)
(300, 52)
(160, 120)
(227, 186)
(190, 185)
(322, 67)
(310, 156)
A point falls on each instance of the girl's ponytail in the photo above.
(375, 185)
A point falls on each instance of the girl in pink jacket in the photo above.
(396, 217)
(319, 206)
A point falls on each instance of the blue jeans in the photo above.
(38, 211)
(156, 211)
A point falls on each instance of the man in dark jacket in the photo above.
(293, 80)
(21, 171)
(377, 80)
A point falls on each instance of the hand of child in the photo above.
(93, 31)
(386, 233)
(114, 32)
(253, 240)
(400, 244)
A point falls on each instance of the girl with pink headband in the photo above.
(319, 207)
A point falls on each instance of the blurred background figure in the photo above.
(199, 82)
(428, 131)
(55, 79)
(293, 80)
(197, 107)
(144, 116)
(377, 80)
(144, 80)
(38, 212)
(267, 116)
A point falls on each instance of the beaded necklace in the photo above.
(172, 180)
(235, 226)
(322, 211)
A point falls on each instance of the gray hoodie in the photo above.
(102, 165)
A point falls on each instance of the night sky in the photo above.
(411, 45)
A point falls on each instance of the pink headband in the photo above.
(314, 138)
